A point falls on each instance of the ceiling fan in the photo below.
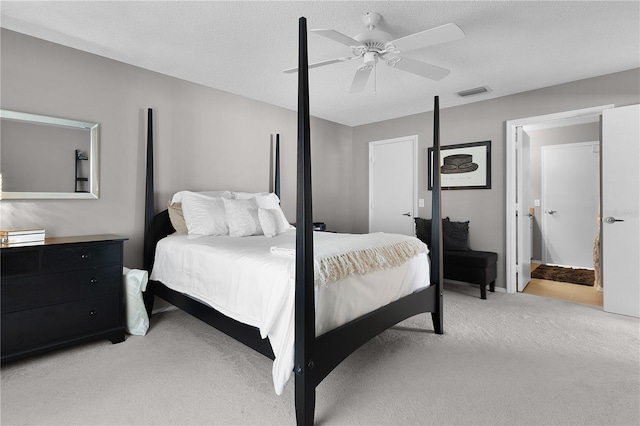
(374, 45)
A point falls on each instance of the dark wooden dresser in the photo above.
(59, 293)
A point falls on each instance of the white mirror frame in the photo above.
(93, 157)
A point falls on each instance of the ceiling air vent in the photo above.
(473, 92)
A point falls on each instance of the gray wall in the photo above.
(546, 137)
(485, 209)
(204, 138)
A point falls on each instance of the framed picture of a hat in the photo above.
(463, 166)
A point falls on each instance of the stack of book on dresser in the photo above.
(21, 237)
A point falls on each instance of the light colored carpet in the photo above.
(511, 359)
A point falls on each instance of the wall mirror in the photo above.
(45, 157)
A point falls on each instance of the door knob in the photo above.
(552, 211)
(406, 214)
(612, 219)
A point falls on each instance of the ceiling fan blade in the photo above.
(421, 68)
(339, 37)
(437, 35)
(360, 79)
(321, 63)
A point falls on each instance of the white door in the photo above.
(393, 185)
(570, 199)
(523, 221)
(620, 209)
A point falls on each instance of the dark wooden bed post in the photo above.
(305, 392)
(276, 185)
(436, 223)
(149, 199)
(149, 209)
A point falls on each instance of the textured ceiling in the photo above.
(242, 47)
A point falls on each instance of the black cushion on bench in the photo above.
(470, 266)
(476, 259)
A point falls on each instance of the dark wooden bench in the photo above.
(471, 266)
(459, 262)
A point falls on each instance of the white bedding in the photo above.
(241, 278)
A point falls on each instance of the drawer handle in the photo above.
(93, 280)
(93, 312)
(84, 256)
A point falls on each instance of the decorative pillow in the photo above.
(272, 202)
(455, 235)
(271, 222)
(242, 217)
(204, 215)
(423, 230)
(174, 207)
(177, 217)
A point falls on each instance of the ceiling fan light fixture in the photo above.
(370, 58)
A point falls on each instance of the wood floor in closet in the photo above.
(565, 291)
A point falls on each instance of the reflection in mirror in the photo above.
(45, 157)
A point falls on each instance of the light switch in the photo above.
(420, 202)
(536, 203)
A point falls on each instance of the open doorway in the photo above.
(564, 196)
(521, 207)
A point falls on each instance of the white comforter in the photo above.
(241, 278)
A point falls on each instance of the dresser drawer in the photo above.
(25, 330)
(19, 261)
(78, 256)
(28, 292)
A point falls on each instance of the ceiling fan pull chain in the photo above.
(375, 79)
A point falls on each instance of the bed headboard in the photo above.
(158, 226)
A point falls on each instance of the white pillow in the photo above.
(272, 202)
(204, 215)
(247, 195)
(242, 217)
(177, 197)
(271, 222)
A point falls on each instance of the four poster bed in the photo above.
(313, 336)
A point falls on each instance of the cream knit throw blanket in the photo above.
(337, 256)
